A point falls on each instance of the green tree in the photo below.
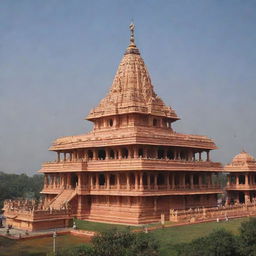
(247, 239)
(218, 243)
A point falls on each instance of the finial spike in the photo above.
(132, 28)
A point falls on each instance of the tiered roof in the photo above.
(243, 162)
(132, 92)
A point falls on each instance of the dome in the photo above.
(243, 157)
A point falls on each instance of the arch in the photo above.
(170, 154)
(155, 122)
(140, 152)
(125, 153)
(111, 154)
(112, 179)
(101, 154)
(183, 155)
(90, 154)
(102, 179)
(160, 153)
(160, 179)
(110, 122)
(74, 180)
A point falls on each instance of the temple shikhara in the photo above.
(132, 168)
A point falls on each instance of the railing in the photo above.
(241, 186)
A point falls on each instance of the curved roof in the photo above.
(132, 90)
(243, 157)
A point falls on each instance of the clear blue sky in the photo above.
(58, 59)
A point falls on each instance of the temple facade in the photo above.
(132, 167)
(241, 184)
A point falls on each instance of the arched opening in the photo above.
(112, 154)
(154, 122)
(101, 179)
(241, 179)
(183, 155)
(90, 154)
(74, 180)
(195, 179)
(112, 180)
(170, 154)
(124, 153)
(110, 122)
(140, 152)
(187, 179)
(101, 154)
(160, 179)
(160, 153)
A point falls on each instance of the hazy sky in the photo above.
(58, 59)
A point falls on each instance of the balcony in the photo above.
(129, 164)
(241, 187)
(67, 166)
(124, 190)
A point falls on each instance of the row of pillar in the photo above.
(131, 152)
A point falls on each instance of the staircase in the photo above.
(61, 199)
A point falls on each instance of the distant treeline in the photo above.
(19, 186)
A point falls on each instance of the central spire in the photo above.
(132, 90)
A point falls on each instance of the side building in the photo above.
(241, 185)
(132, 167)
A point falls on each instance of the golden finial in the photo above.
(132, 40)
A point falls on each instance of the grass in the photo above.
(38, 246)
(100, 227)
(167, 237)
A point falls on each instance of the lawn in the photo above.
(167, 237)
(38, 246)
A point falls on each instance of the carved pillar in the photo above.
(95, 157)
(200, 156)
(141, 180)
(208, 155)
(97, 181)
(69, 180)
(237, 179)
(136, 153)
(58, 155)
(200, 180)
(129, 152)
(246, 179)
(228, 182)
(128, 187)
(191, 176)
(173, 180)
(247, 197)
(165, 153)
(118, 181)
(119, 153)
(136, 180)
(65, 157)
(148, 181)
(91, 180)
(168, 180)
(209, 180)
(108, 180)
(155, 181)
(107, 153)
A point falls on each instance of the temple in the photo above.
(132, 167)
(241, 185)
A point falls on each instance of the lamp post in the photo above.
(54, 242)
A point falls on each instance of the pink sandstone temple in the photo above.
(241, 185)
(131, 168)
